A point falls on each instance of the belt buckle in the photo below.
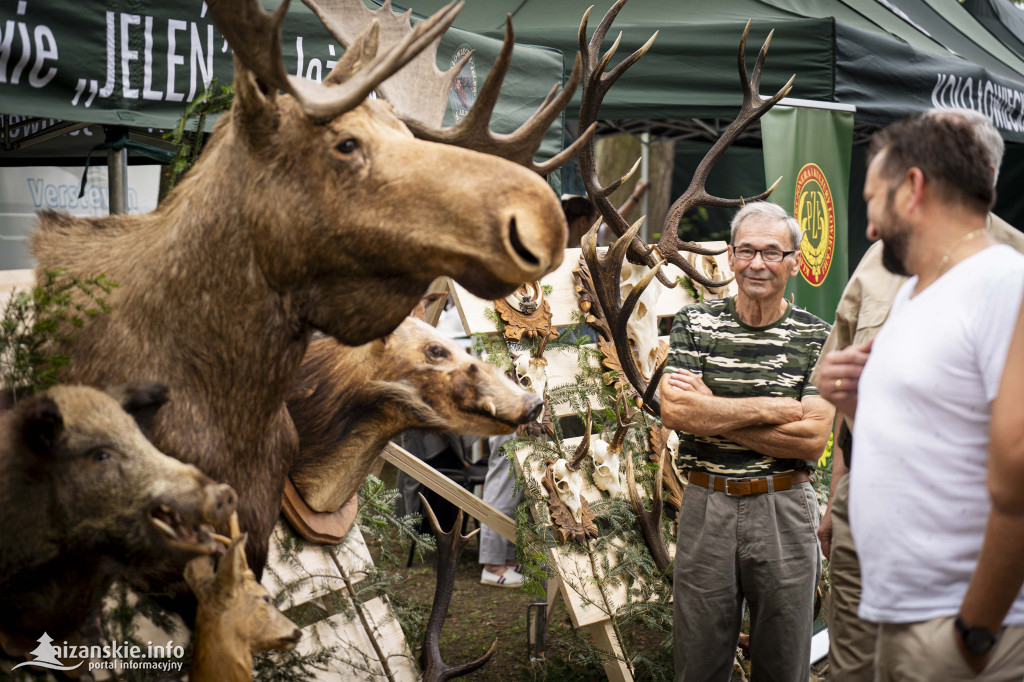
(725, 487)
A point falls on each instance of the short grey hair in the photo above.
(981, 128)
(765, 211)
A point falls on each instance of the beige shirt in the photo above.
(868, 296)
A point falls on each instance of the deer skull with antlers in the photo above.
(606, 455)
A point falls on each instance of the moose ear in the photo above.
(41, 424)
(142, 400)
(420, 311)
(254, 109)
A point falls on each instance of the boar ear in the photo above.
(41, 424)
(420, 311)
(233, 566)
(142, 400)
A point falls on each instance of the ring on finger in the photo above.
(839, 384)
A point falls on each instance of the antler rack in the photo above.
(605, 271)
(449, 548)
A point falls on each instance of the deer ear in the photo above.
(199, 575)
(233, 566)
(41, 424)
(142, 400)
(420, 311)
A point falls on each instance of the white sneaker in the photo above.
(511, 578)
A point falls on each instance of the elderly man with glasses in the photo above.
(752, 427)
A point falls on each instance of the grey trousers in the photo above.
(498, 492)
(758, 548)
(851, 653)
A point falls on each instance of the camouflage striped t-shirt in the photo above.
(738, 361)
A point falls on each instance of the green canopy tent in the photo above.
(136, 63)
(888, 58)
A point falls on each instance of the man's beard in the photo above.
(895, 244)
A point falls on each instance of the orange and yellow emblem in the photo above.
(813, 209)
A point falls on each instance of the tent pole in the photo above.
(117, 180)
(645, 173)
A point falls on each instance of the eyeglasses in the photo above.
(767, 255)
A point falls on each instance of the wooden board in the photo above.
(579, 585)
(353, 645)
(12, 280)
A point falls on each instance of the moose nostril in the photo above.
(517, 244)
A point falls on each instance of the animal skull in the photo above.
(606, 468)
(642, 326)
(673, 446)
(709, 266)
(531, 373)
(569, 483)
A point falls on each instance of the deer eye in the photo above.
(437, 352)
(347, 146)
(266, 598)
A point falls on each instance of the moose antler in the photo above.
(419, 93)
(473, 132)
(650, 521)
(449, 548)
(255, 37)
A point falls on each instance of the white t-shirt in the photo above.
(919, 501)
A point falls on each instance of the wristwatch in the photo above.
(976, 639)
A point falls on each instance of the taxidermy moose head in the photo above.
(297, 218)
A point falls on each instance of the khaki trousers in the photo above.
(851, 654)
(927, 652)
(758, 548)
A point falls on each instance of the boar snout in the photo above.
(219, 500)
(534, 409)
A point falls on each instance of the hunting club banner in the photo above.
(810, 150)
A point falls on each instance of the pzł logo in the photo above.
(816, 215)
(463, 92)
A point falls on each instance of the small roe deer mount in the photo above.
(235, 619)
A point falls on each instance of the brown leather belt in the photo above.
(748, 486)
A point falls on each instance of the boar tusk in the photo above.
(489, 405)
(221, 539)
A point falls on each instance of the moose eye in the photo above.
(437, 352)
(100, 455)
(347, 146)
